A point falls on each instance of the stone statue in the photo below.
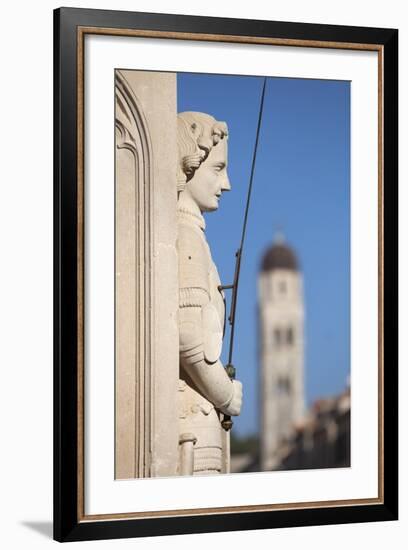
(205, 390)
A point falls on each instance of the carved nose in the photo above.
(225, 182)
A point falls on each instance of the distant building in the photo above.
(290, 438)
(281, 349)
(323, 439)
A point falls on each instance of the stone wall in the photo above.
(146, 326)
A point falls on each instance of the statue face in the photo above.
(210, 179)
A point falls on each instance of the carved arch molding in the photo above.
(133, 286)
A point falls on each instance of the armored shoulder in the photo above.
(193, 267)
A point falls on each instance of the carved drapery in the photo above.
(133, 286)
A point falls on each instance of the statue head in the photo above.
(203, 152)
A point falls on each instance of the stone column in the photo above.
(147, 352)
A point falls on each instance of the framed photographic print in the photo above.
(225, 274)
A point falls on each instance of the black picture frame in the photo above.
(69, 525)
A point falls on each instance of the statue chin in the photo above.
(210, 208)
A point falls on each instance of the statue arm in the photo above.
(200, 327)
(210, 378)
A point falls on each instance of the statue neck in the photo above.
(187, 207)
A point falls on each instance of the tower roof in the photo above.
(279, 256)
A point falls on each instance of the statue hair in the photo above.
(197, 134)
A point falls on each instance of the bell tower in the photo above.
(281, 348)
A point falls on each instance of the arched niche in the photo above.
(133, 285)
(146, 275)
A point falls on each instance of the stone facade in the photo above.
(146, 275)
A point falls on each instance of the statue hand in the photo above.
(233, 408)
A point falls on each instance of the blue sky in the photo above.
(301, 187)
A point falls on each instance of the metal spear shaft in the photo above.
(227, 422)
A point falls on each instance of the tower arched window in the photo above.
(283, 336)
(283, 386)
(289, 336)
(277, 337)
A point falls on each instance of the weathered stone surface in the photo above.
(147, 362)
